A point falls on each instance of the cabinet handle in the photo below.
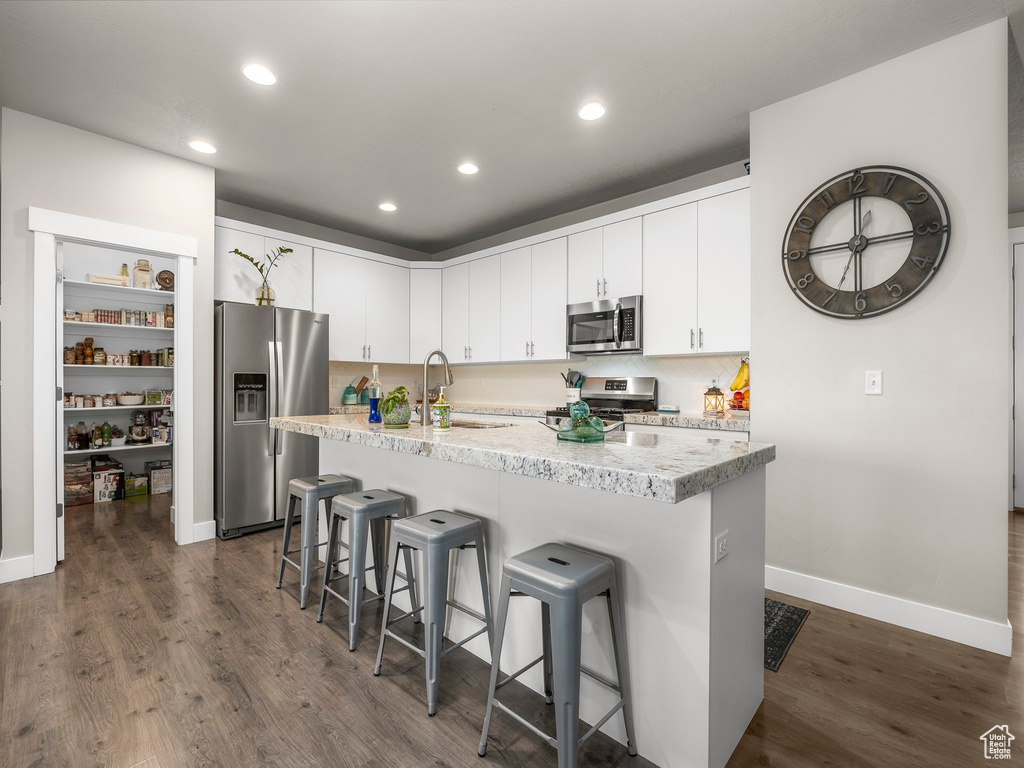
(364, 351)
(701, 335)
(599, 287)
(606, 287)
(369, 352)
(471, 353)
(531, 349)
(527, 349)
(465, 353)
(691, 338)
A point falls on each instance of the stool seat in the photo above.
(322, 485)
(438, 528)
(560, 571)
(374, 502)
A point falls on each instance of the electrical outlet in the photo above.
(335, 382)
(721, 545)
(872, 382)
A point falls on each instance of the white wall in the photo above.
(903, 494)
(54, 166)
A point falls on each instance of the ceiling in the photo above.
(382, 100)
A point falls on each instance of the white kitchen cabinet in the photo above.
(292, 278)
(455, 313)
(516, 304)
(585, 256)
(622, 259)
(548, 288)
(387, 312)
(340, 291)
(670, 281)
(235, 279)
(424, 313)
(485, 310)
(723, 272)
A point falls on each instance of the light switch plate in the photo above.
(721, 545)
(335, 382)
(872, 382)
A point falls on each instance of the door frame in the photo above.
(49, 229)
(1015, 238)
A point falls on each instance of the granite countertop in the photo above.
(689, 420)
(342, 409)
(666, 468)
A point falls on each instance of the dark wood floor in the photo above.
(137, 652)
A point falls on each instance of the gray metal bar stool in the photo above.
(368, 513)
(437, 534)
(563, 578)
(309, 492)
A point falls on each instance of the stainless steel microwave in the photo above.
(605, 327)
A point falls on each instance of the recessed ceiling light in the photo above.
(388, 207)
(199, 145)
(592, 110)
(468, 168)
(259, 74)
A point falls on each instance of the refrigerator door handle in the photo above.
(277, 397)
(272, 397)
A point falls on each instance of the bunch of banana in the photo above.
(742, 380)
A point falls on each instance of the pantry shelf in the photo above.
(115, 329)
(116, 369)
(87, 289)
(69, 411)
(117, 448)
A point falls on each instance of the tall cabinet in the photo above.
(471, 311)
(237, 280)
(533, 290)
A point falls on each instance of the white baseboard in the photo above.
(993, 636)
(203, 531)
(16, 568)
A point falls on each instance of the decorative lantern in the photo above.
(714, 402)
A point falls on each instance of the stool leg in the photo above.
(481, 560)
(435, 607)
(545, 630)
(287, 537)
(329, 566)
(358, 532)
(389, 590)
(567, 635)
(499, 635)
(310, 519)
(411, 580)
(618, 622)
(378, 536)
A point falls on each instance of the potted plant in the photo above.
(265, 295)
(395, 410)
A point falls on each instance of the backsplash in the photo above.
(681, 380)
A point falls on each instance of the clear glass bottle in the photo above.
(375, 390)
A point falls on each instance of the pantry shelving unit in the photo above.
(75, 247)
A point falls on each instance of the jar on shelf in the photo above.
(133, 357)
(80, 353)
(88, 352)
(99, 357)
(168, 316)
(109, 401)
(146, 357)
(88, 401)
(143, 274)
(105, 432)
(69, 355)
(72, 438)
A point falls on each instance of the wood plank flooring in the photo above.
(137, 652)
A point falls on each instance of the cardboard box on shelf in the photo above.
(77, 483)
(108, 485)
(136, 485)
(160, 476)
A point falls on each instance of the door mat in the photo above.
(781, 623)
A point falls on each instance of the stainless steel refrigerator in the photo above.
(269, 362)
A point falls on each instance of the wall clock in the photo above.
(866, 241)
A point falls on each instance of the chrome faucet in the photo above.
(448, 379)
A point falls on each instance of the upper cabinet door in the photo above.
(424, 313)
(723, 290)
(585, 275)
(670, 281)
(548, 289)
(387, 312)
(485, 310)
(623, 259)
(292, 278)
(515, 305)
(235, 279)
(340, 291)
(455, 313)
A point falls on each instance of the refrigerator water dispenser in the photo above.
(250, 397)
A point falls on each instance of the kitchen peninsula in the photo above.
(655, 503)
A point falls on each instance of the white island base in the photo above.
(694, 627)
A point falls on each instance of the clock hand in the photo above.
(863, 223)
(847, 269)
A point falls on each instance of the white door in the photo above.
(623, 259)
(235, 279)
(723, 273)
(340, 291)
(670, 281)
(515, 304)
(455, 313)
(424, 313)
(585, 251)
(1018, 374)
(387, 312)
(548, 276)
(485, 310)
(292, 277)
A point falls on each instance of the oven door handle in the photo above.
(617, 326)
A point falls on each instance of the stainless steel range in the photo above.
(613, 398)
